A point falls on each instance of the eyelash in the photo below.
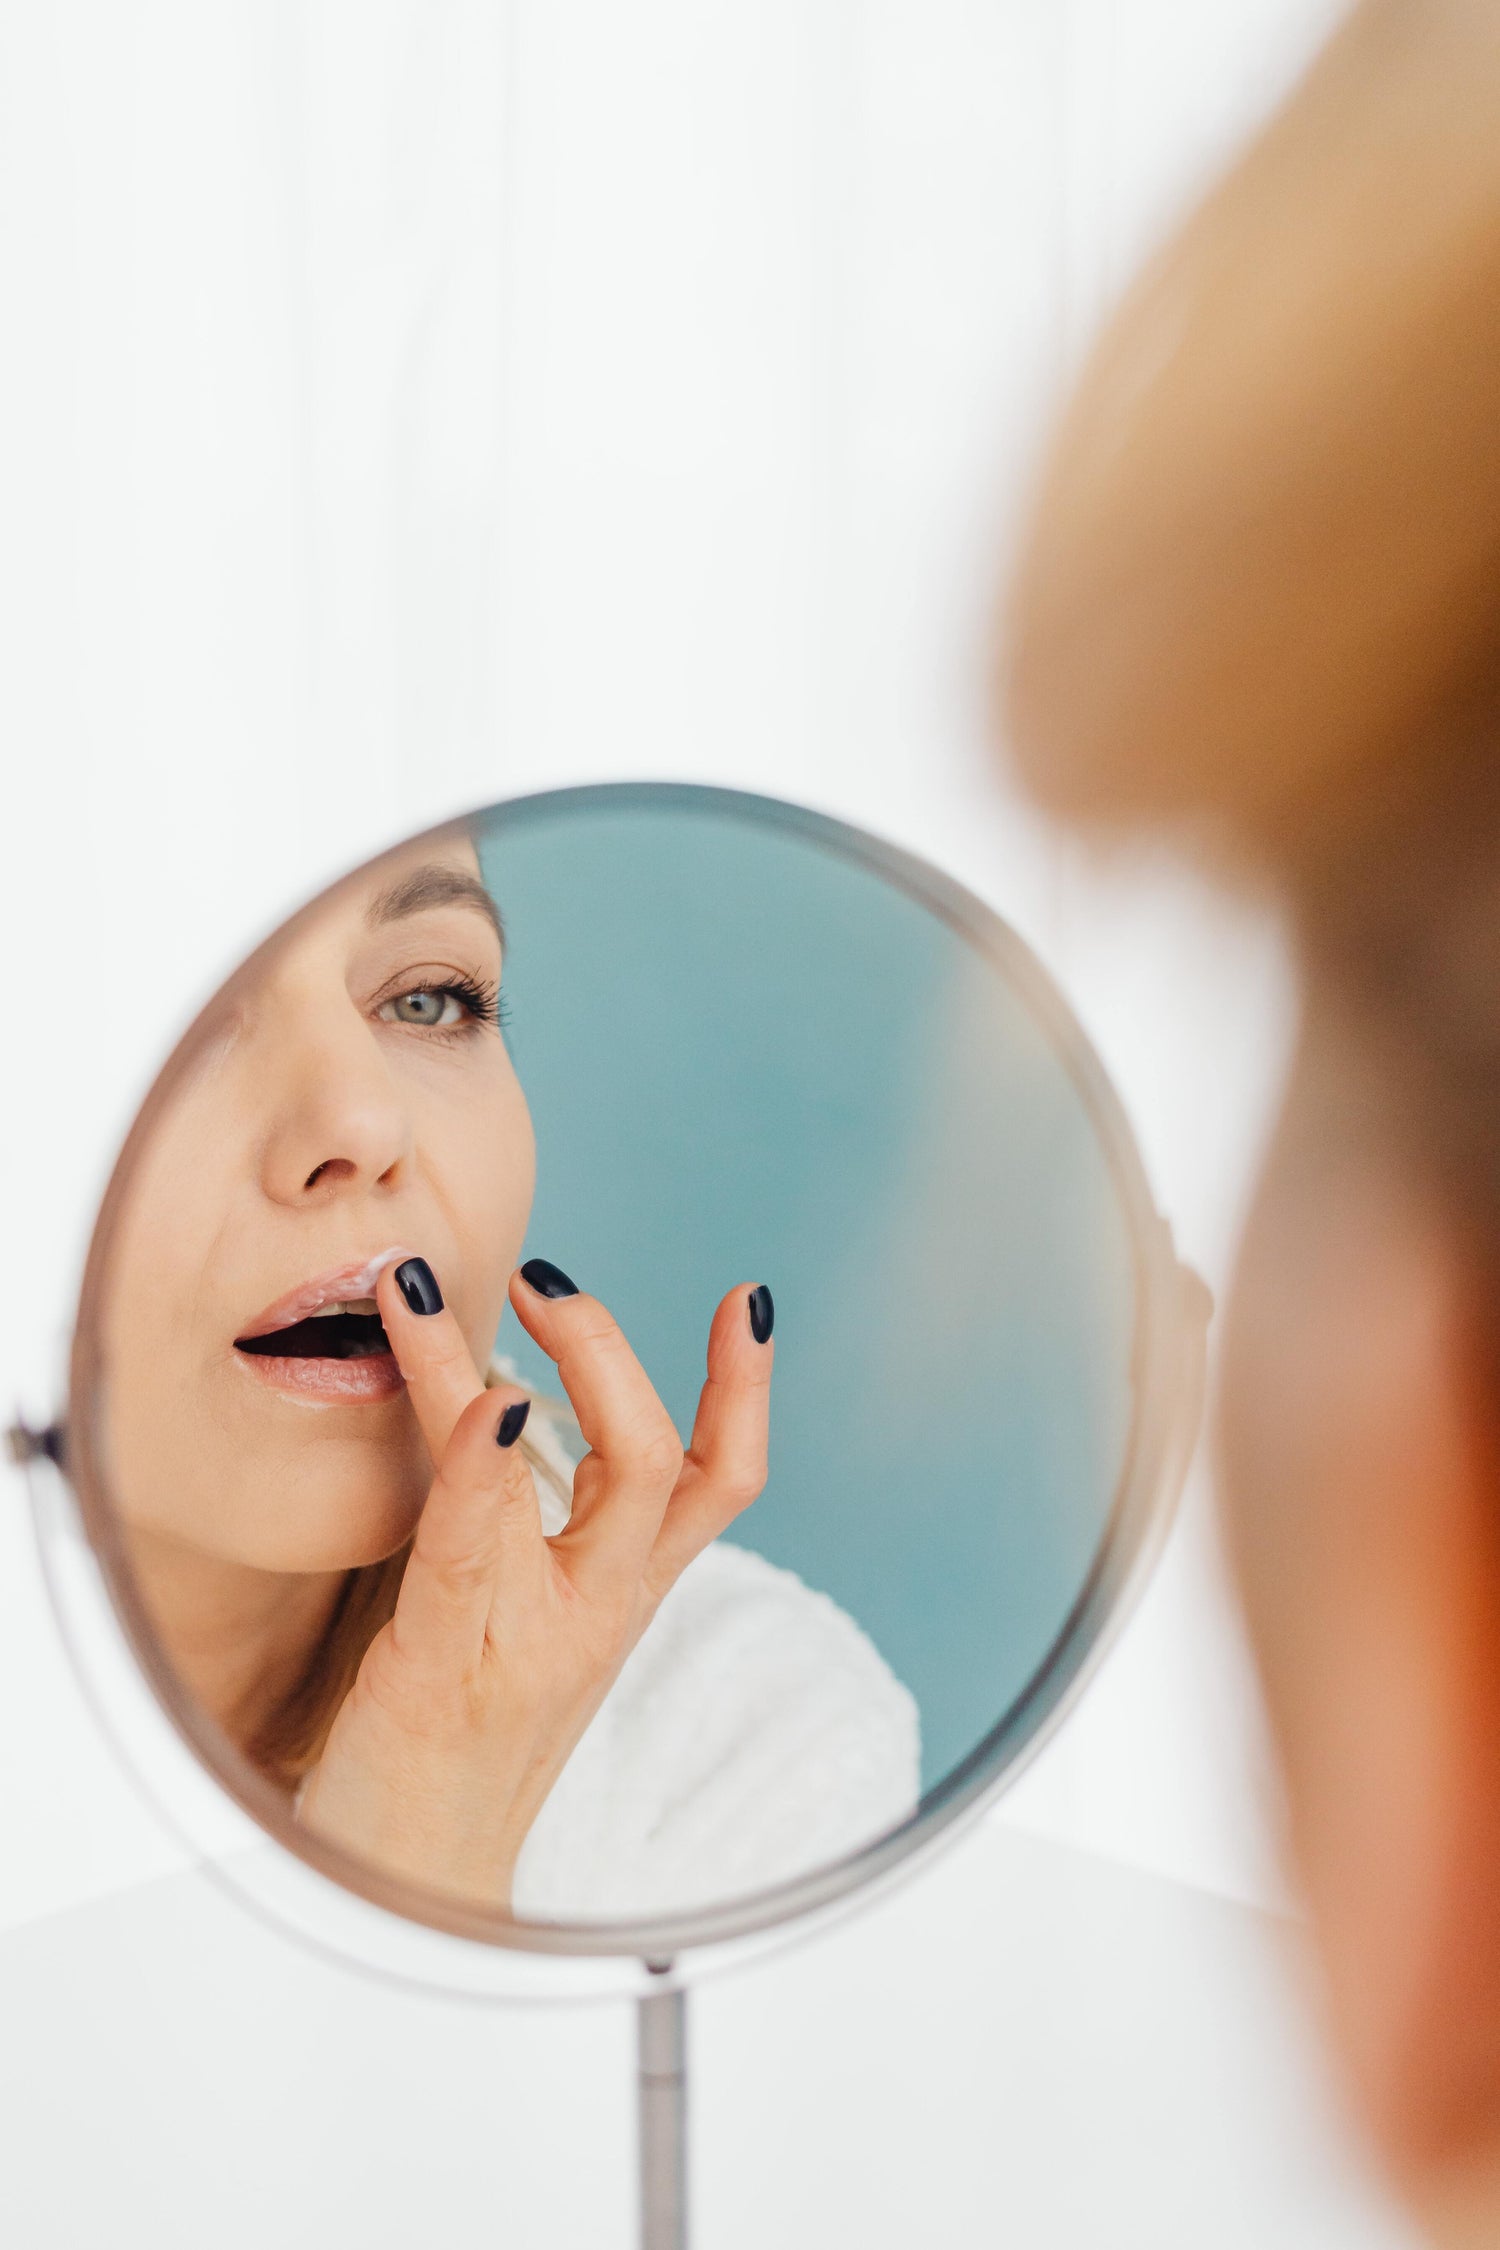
(484, 1001)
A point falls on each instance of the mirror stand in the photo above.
(661, 2035)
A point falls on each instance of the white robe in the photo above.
(753, 1734)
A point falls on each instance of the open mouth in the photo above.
(323, 1342)
(339, 1331)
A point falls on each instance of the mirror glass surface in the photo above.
(647, 1119)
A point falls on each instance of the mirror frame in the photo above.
(1167, 1375)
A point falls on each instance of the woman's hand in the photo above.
(504, 1642)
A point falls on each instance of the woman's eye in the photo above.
(429, 1006)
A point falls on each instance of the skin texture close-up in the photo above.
(1258, 612)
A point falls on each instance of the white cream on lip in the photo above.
(350, 1283)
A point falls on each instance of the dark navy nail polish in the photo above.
(547, 1279)
(418, 1285)
(513, 1421)
(762, 1314)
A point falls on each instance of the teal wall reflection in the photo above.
(750, 1057)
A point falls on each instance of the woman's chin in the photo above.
(276, 1489)
(345, 1520)
(353, 1541)
(322, 1539)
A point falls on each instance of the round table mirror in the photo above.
(625, 1373)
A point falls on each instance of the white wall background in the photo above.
(404, 405)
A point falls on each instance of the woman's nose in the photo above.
(341, 1126)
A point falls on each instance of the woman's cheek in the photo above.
(163, 1314)
(494, 1157)
(514, 1175)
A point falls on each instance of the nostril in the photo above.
(332, 1168)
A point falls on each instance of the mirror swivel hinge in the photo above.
(25, 1444)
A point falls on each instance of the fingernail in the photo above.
(547, 1279)
(418, 1285)
(513, 1421)
(762, 1314)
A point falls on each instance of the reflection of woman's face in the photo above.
(351, 1097)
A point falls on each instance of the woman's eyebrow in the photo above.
(427, 887)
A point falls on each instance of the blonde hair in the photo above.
(290, 1742)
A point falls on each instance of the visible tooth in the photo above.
(365, 1305)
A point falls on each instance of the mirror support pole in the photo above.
(661, 2027)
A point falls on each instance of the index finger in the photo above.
(430, 1350)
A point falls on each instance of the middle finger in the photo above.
(635, 1452)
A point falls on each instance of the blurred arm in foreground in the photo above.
(1259, 609)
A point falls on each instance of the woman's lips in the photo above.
(327, 1382)
(332, 1288)
(336, 1381)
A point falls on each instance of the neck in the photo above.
(239, 1638)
